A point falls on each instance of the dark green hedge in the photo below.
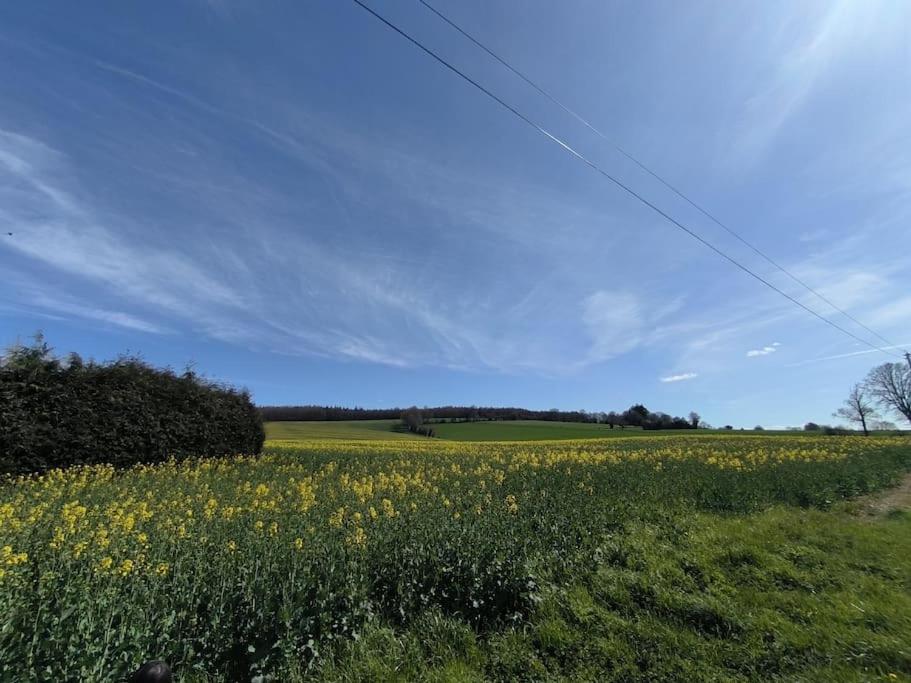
(57, 413)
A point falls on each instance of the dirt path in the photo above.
(884, 502)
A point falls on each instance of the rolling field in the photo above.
(698, 557)
(518, 430)
(525, 430)
(498, 430)
(349, 430)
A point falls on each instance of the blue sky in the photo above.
(295, 199)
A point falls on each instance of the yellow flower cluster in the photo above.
(10, 558)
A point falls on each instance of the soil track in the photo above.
(884, 502)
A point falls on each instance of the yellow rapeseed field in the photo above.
(291, 549)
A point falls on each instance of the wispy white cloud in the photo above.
(846, 287)
(60, 305)
(891, 313)
(764, 351)
(619, 321)
(463, 267)
(616, 322)
(680, 378)
(298, 293)
(73, 241)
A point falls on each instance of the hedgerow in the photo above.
(60, 413)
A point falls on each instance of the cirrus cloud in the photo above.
(680, 378)
(764, 351)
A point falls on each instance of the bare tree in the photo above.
(857, 408)
(694, 419)
(890, 385)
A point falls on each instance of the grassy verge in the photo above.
(786, 594)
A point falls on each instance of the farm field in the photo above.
(336, 429)
(525, 430)
(515, 430)
(696, 557)
(498, 430)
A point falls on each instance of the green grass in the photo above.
(344, 430)
(519, 430)
(786, 594)
(525, 430)
(511, 430)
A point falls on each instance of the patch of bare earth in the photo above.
(889, 500)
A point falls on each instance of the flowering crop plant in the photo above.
(237, 567)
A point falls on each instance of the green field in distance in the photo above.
(511, 430)
(517, 430)
(497, 430)
(341, 429)
(526, 430)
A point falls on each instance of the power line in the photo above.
(607, 175)
(649, 171)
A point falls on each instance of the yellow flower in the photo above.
(126, 567)
(357, 537)
(337, 518)
(12, 559)
(299, 543)
(232, 546)
(388, 508)
(162, 569)
(128, 523)
(106, 563)
(211, 506)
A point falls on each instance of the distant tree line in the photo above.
(313, 413)
(449, 413)
(635, 416)
(61, 412)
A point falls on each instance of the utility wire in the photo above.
(645, 168)
(618, 183)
